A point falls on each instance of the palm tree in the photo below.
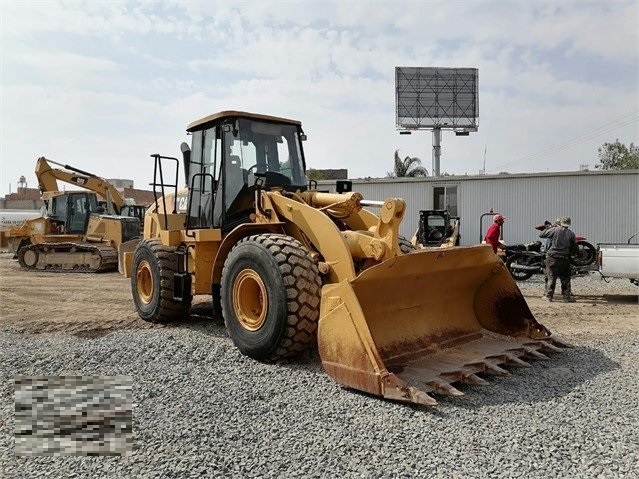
(409, 167)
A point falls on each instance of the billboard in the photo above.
(443, 98)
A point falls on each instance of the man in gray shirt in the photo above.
(562, 246)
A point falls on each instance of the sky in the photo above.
(103, 85)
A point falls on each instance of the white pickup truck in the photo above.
(619, 260)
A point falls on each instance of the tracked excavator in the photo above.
(288, 265)
(77, 233)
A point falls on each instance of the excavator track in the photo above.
(68, 257)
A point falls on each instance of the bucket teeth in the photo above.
(474, 380)
(513, 360)
(551, 347)
(533, 353)
(465, 376)
(495, 370)
(560, 342)
(443, 387)
(420, 397)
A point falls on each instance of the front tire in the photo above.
(518, 274)
(154, 266)
(270, 295)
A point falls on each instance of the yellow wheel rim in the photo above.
(250, 302)
(144, 281)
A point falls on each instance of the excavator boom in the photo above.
(48, 181)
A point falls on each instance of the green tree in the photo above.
(314, 174)
(617, 156)
(409, 167)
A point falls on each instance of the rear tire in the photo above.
(517, 274)
(585, 255)
(153, 269)
(270, 295)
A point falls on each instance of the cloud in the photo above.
(108, 134)
(102, 85)
(67, 62)
(86, 19)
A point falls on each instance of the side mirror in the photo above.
(186, 158)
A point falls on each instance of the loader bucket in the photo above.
(417, 323)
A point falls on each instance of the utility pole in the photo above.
(437, 150)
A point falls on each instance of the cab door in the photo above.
(78, 210)
(204, 174)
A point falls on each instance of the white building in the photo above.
(121, 183)
(603, 205)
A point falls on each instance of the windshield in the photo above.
(264, 147)
(81, 203)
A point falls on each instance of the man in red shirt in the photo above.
(494, 233)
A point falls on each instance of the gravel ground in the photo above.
(201, 409)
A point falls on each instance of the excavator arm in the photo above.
(48, 181)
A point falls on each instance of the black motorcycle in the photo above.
(525, 260)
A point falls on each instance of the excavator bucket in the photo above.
(417, 323)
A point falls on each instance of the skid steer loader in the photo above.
(287, 264)
(437, 229)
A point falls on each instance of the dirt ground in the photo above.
(90, 305)
(82, 304)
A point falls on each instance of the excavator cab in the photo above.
(69, 211)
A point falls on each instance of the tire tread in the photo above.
(302, 282)
(167, 309)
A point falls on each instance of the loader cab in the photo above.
(228, 154)
(135, 211)
(70, 211)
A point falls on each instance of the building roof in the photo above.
(493, 176)
(140, 197)
(24, 194)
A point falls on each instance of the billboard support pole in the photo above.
(437, 150)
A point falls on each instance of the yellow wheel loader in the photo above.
(74, 234)
(288, 265)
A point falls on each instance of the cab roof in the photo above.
(203, 122)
